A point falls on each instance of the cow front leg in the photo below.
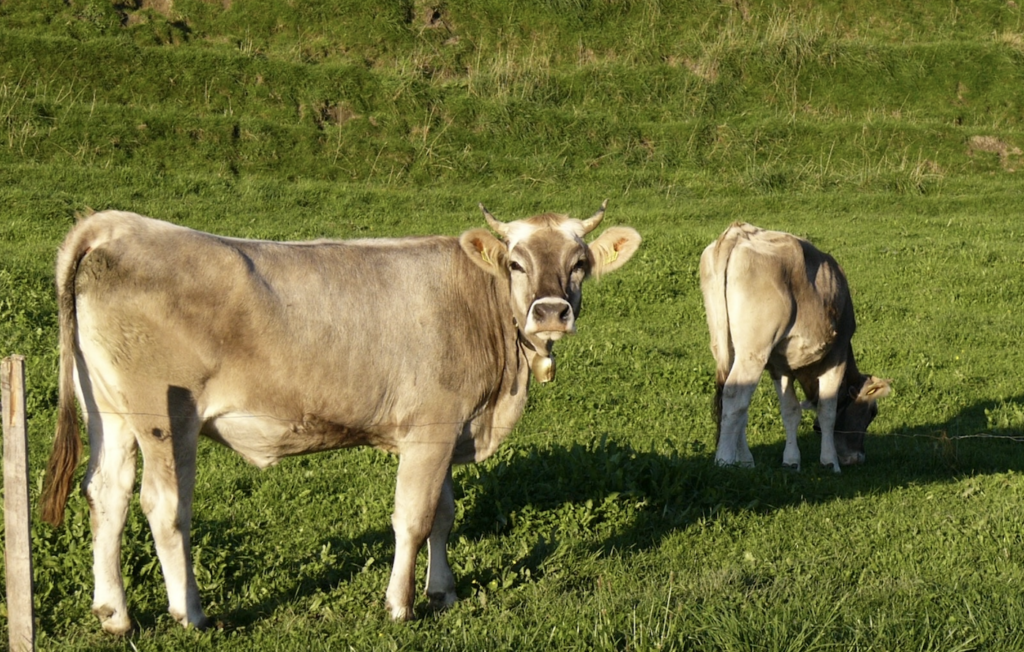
(422, 472)
(440, 581)
(828, 400)
(789, 405)
(108, 487)
(168, 484)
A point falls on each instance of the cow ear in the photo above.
(613, 249)
(489, 253)
(875, 388)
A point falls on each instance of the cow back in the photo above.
(367, 333)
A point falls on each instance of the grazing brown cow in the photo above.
(418, 346)
(774, 301)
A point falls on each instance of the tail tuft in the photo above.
(60, 472)
(717, 405)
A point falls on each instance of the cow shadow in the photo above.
(622, 500)
(348, 557)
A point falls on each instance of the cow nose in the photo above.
(551, 316)
(544, 312)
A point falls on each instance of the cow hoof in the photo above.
(400, 614)
(442, 601)
(115, 628)
(795, 466)
(201, 622)
(112, 621)
(830, 466)
(738, 464)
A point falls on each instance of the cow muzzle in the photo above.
(852, 459)
(550, 319)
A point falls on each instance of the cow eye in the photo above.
(516, 267)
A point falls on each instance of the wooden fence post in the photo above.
(17, 518)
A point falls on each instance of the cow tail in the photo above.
(67, 444)
(714, 263)
(717, 406)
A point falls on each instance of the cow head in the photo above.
(857, 408)
(545, 260)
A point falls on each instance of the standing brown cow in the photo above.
(418, 346)
(774, 301)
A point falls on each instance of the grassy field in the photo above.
(889, 134)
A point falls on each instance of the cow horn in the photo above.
(499, 227)
(591, 222)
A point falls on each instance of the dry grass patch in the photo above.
(993, 145)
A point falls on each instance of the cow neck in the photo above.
(852, 373)
(511, 338)
(541, 362)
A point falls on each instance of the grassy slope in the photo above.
(601, 523)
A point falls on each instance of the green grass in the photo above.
(602, 523)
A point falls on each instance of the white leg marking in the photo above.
(169, 451)
(828, 394)
(743, 455)
(169, 511)
(422, 469)
(440, 581)
(736, 394)
(108, 485)
(791, 412)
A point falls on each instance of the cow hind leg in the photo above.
(440, 581)
(422, 469)
(108, 486)
(169, 450)
(736, 394)
(789, 405)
